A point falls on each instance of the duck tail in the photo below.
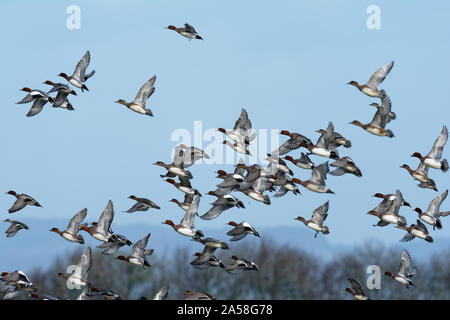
(444, 165)
(348, 144)
(429, 239)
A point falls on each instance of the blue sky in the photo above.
(287, 63)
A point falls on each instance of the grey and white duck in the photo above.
(418, 230)
(211, 245)
(72, 230)
(22, 200)
(317, 181)
(241, 230)
(187, 31)
(318, 217)
(139, 102)
(78, 278)
(186, 226)
(303, 162)
(381, 118)
(434, 158)
(79, 76)
(325, 147)
(405, 270)
(63, 90)
(139, 253)
(356, 291)
(295, 141)
(421, 175)
(371, 87)
(388, 211)
(433, 213)
(222, 204)
(39, 98)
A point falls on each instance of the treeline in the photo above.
(284, 273)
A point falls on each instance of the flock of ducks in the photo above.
(254, 181)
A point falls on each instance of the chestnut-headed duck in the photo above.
(185, 156)
(336, 140)
(388, 211)
(370, 88)
(296, 141)
(114, 243)
(142, 204)
(186, 202)
(356, 291)
(61, 100)
(345, 165)
(213, 262)
(138, 104)
(59, 87)
(385, 108)
(211, 245)
(240, 264)
(18, 278)
(421, 174)
(404, 274)
(14, 227)
(303, 162)
(325, 146)
(22, 201)
(16, 281)
(39, 97)
(241, 133)
(388, 198)
(188, 31)
(184, 186)
(318, 217)
(317, 181)
(139, 253)
(191, 295)
(241, 230)
(433, 158)
(71, 232)
(232, 181)
(186, 226)
(79, 277)
(173, 170)
(418, 230)
(101, 230)
(382, 117)
(256, 191)
(79, 76)
(286, 184)
(433, 213)
(222, 204)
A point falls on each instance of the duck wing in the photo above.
(145, 91)
(438, 147)
(188, 220)
(74, 224)
(379, 75)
